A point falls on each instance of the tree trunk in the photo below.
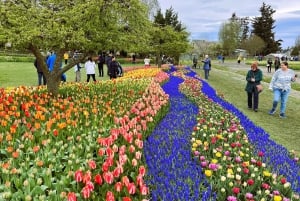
(158, 56)
(53, 82)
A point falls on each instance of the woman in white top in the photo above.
(147, 62)
(281, 86)
(90, 69)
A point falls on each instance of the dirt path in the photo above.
(245, 67)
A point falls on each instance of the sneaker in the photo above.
(249, 108)
(255, 110)
(271, 112)
(282, 115)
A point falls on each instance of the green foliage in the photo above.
(72, 25)
(168, 36)
(228, 36)
(16, 59)
(254, 44)
(263, 27)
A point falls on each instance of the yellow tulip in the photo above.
(277, 198)
(208, 173)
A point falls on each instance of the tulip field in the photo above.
(153, 134)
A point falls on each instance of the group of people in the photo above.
(276, 64)
(50, 61)
(114, 69)
(280, 85)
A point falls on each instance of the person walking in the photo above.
(195, 62)
(113, 68)
(277, 63)
(281, 87)
(206, 66)
(41, 76)
(253, 77)
(269, 65)
(90, 69)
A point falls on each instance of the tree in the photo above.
(72, 25)
(263, 27)
(229, 36)
(253, 44)
(242, 28)
(296, 49)
(168, 36)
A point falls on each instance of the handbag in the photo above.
(259, 88)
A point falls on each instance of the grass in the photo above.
(24, 74)
(228, 83)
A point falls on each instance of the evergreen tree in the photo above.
(169, 35)
(263, 27)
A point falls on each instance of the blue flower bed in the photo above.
(173, 174)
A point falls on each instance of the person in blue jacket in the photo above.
(206, 66)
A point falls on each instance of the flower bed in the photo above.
(102, 141)
(85, 144)
(227, 156)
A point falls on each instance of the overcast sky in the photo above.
(203, 18)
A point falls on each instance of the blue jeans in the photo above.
(280, 95)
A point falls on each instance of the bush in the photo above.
(16, 59)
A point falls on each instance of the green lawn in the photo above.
(24, 73)
(230, 84)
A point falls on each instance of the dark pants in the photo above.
(253, 98)
(100, 68)
(41, 78)
(93, 76)
(206, 73)
(269, 68)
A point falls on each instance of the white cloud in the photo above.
(203, 18)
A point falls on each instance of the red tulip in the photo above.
(126, 199)
(142, 170)
(118, 186)
(72, 196)
(86, 192)
(98, 179)
(110, 196)
(250, 182)
(92, 164)
(108, 177)
(236, 190)
(283, 180)
(78, 176)
(131, 188)
(260, 154)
